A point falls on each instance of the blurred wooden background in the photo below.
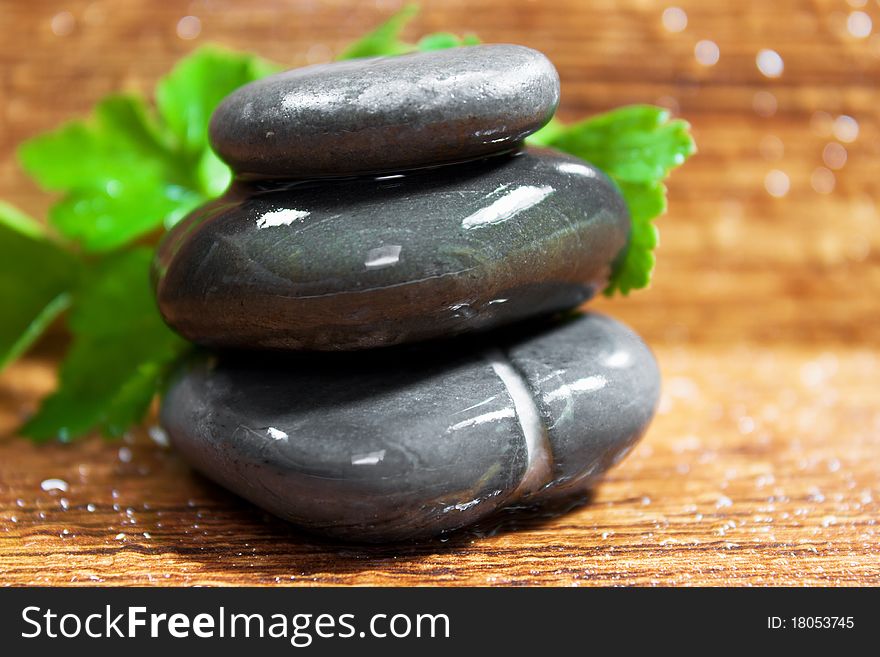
(763, 465)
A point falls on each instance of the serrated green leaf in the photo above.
(385, 39)
(637, 146)
(123, 172)
(634, 144)
(117, 172)
(36, 276)
(188, 95)
(119, 141)
(646, 201)
(121, 350)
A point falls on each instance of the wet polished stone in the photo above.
(413, 441)
(386, 114)
(385, 260)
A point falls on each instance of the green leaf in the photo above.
(116, 171)
(385, 39)
(120, 141)
(632, 271)
(36, 276)
(102, 221)
(546, 135)
(188, 95)
(443, 40)
(125, 172)
(120, 353)
(637, 146)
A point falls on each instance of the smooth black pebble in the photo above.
(387, 113)
(377, 261)
(412, 442)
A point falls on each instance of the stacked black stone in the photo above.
(380, 207)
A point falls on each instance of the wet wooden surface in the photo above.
(763, 465)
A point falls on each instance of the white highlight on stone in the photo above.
(462, 506)
(617, 359)
(281, 218)
(770, 63)
(370, 458)
(477, 405)
(508, 206)
(538, 468)
(277, 434)
(383, 256)
(576, 169)
(485, 417)
(587, 384)
(54, 484)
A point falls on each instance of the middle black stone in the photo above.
(374, 261)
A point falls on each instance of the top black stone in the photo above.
(387, 113)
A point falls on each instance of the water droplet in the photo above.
(189, 27)
(834, 155)
(674, 19)
(125, 454)
(845, 128)
(764, 104)
(777, 183)
(822, 180)
(54, 484)
(859, 24)
(707, 52)
(158, 436)
(63, 23)
(769, 63)
(90, 507)
(120, 536)
(723, 502)
(746, 425)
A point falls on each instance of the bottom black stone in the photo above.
(411, 442)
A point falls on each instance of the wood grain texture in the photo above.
(763, 465)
